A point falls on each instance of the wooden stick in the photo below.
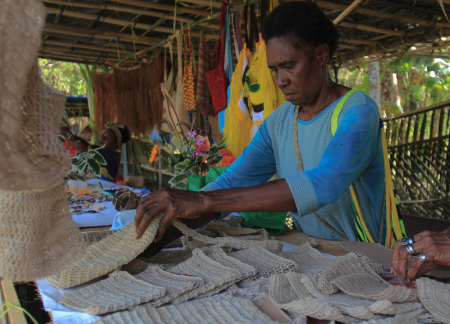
(205, 3)
(358, 41)
(332, 5)
(14, 315)
(90, 32)
(347, 11)
(234, 9)
(164, 7)
(118, 22)
(126, 9)
(156, 24)
(88, 53)
(371, 29)
(85, 46)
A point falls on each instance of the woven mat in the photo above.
(435, 296)
(175, 285)
(218, 309)
(214, 275)
(118, 292)
(105, 256)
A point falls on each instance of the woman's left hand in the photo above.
(173, 203)
(434, 245)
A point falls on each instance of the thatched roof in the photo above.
(93, 31)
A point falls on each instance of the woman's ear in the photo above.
(323, 53)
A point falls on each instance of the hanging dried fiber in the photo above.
(133, 96)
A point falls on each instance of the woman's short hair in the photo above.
(303, 20)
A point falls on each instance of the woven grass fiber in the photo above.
(218, 309)
(118, 292)
(37, 234)
(435, 296)
(105, 256)
(214, 275)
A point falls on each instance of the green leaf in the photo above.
(66, 178)
(185, 162)
(95, 167)
(194, 170)
(81, 167)
(99, 158)
(180, 185)
(72, 176)
(61, 138)
(180, 167)
(79, 177)
(76, 161)
(178, 178)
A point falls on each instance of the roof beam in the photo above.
(118, 22)
(164, 7)
(347, 11)
(127, 9)
(371, 29)
(86, 46)
(370, 12)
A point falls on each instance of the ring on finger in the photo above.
(410, 249)
(421, 257)
(407, 240)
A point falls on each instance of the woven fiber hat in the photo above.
(118, 292)
(213, 273)
(105, 256)
(218, 309)
(218, 255)
(435, 296)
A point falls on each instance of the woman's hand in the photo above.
(173, 203)
(436, 248)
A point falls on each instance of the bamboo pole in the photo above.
(92, 47)
(96, 54)
(125, 9)
(120, 22)
(370, 12)
(64, 58)
(205, 3)
(234, 9)
(347, 11)
(90, 32)
(164, 7)
(358, 41)
(371, 29)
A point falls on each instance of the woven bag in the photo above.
(129, 198)
(37, 234)
(216, 77)
(435, 296)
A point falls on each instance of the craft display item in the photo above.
(188, 73)
(216, 77)
(105, 256)
(435, 296)
(125, 200)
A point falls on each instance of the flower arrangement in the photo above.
(195, 157)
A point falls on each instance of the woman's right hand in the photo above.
(434, 245)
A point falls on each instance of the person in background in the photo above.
(66, 132)
(426, 250)
(87, 133)
(111, 141)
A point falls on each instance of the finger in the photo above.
(415, 265)
(395, 257)
(142, 209)
(149, 216)
(427, 267)
(403, 258)
(163, 225)
(421, 235)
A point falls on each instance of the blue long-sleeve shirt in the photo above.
(331, 163)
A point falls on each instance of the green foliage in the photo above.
(63, 76)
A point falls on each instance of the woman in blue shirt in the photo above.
(315, 167)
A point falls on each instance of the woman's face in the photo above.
(298, 70)
(108, 139)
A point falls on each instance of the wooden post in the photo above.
(374, 82)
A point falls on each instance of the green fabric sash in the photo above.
(274, 223)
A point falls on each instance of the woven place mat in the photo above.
(105, 256)
(118, 292)
(213, 273)
(218, 309)
(175, 285)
